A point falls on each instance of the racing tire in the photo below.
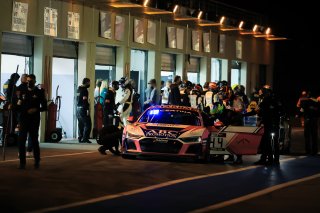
(55, 136)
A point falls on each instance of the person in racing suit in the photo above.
(126, 100)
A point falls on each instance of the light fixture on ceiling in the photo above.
(175, 8)
(222, 19)
(241, 24)
(255, 28)
(268, 31)
(200, 14)
(145, 4)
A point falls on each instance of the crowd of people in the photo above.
(219, 101)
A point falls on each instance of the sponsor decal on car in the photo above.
(161, 133)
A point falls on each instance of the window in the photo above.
(168, 67)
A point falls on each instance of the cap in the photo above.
(152, 81)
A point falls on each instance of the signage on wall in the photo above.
(222, 43)
(151, 33)
(239, 49)
(19, 17)
(195, 40)
(180, 34)
(73, 25)
(105, 25)
(172, 37)
(119, 28)
(138, 31)
(50, 21)
(206, 42)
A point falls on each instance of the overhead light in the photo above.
(145, 3)
(241, 24)
(175, 8)
(222, 19)
(255, 27)
(200, 14)
(268, 31)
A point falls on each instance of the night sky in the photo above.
(296, 60)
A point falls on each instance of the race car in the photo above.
(185, 132)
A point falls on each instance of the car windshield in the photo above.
(171, 116)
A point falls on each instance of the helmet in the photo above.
(115, 83)
(122, 81)
(188, 84)
(222, 84)
(213, 85)
(266, 90)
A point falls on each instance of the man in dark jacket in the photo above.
(270, 110)
(310, 110)
(174, 95)
(29, 105)
(109, 104)
(83, 112)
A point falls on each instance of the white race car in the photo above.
(184, 132)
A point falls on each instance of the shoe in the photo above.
(102, 151)
(86, 141)
(29, 155)
(238, 161)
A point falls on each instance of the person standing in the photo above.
(126, 100)
(270, 110)
(310, 109)
(29, 105)
(153, 95)
(22, 88)
(165, 91)
(174, 96)
(109, 104)
(10, 119)
(83, 112)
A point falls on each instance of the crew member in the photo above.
(83, 112)
(109, 104)
(29, 105)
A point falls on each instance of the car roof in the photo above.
(174, 107)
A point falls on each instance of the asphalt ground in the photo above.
(75, 177)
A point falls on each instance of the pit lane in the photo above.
(72, 173)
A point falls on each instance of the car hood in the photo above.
(166, 130)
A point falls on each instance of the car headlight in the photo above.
(192, 139)
(133, 136)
